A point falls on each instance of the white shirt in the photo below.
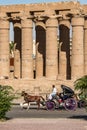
(54, 90)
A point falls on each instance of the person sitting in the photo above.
(54, 93)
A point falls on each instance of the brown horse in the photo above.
(29, 98)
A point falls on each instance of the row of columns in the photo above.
(78, 58)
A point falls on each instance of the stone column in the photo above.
(51, 48)
(64, 53)
(16, 64)
(4, 48)
(77, 66)
(27, 48)
(85, 46)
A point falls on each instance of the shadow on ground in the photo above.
(84, 117)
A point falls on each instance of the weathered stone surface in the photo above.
(60, 45)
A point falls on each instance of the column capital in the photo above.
(51, 14)
(26, 23)
(51, 22)
(77, 20)
(79, 11)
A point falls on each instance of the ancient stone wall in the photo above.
(61, 58)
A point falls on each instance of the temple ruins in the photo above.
(59, 54)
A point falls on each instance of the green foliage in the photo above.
(6, 97)
(11, 46)
(81, 85)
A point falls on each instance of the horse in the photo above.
(30, 98)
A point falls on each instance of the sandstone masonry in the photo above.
(61, 45)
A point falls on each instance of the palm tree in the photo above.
(11, 44)
(81, 85)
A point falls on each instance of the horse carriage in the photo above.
(64, 99)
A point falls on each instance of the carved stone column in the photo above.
(77, 67)
(51, 48)
(4, 48)
(85, 46)
(16, 64)
(27, 48)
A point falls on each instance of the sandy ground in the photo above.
(43, 124)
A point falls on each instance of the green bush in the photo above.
(6, 97)
(81, 85)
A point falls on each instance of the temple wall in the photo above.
(60, 45)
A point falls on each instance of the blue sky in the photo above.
(9, 2)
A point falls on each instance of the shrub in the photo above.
(81, 85)
(6, 97)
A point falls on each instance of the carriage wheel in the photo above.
(50, 105)
(81, 104)
(70, 104)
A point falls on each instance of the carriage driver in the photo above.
(54, 93)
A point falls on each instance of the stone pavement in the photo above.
(43, 124)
